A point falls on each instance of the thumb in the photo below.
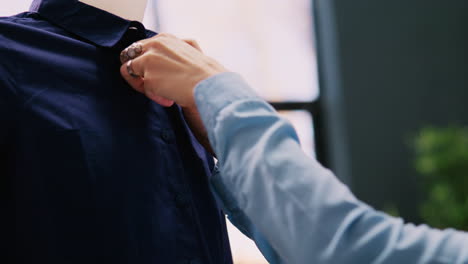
(159, 99)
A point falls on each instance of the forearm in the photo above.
(305, 213)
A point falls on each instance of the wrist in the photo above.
(192, 116)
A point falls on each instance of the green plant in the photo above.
(442, 160)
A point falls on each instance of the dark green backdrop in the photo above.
(388, 68)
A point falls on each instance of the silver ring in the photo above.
(130, 53)
(130, 70)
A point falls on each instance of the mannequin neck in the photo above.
(128, 9)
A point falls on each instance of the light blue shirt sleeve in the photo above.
(297, 211)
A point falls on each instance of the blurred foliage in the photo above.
(391, 209)
(442, 160)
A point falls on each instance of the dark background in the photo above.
(387, 69)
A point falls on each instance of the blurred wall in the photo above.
(388, 68)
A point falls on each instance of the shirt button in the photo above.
(181, 201)
(167, 136)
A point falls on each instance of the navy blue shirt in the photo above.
(92, 171)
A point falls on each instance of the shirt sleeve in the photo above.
(303, 212)
(238, 218)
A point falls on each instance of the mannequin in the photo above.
(128, 9)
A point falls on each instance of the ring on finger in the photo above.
(132, 52)
(130, 70)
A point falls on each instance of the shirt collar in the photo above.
(93, 24)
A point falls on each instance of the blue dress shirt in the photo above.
(90, 170)
(297, 211)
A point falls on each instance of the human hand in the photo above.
(166, 69)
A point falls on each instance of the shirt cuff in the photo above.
(219, 91)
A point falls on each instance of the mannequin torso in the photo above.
(128, 9)
(108, 176)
